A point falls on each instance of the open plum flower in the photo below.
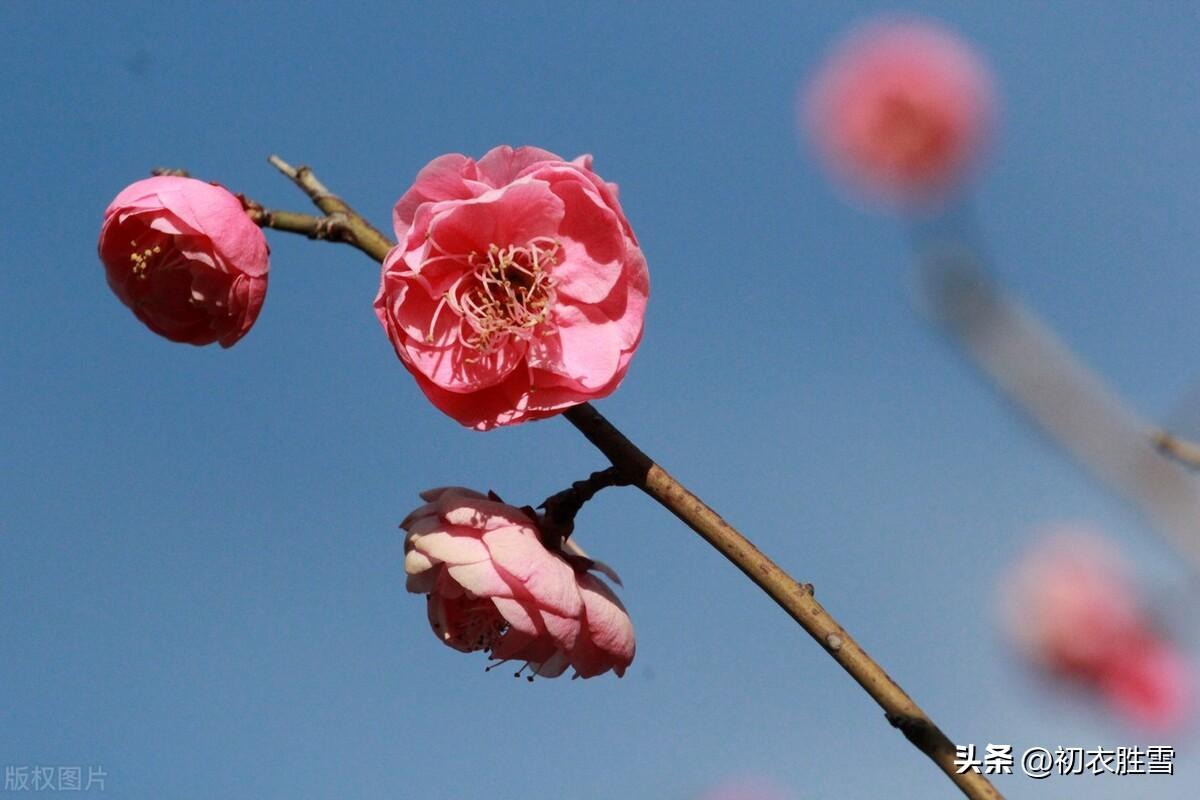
(185, 258)
(902, 109)
(517, 288)
(1070, 607)
(492, 585)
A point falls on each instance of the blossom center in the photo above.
(505, 292)
(470, 624)
(154, 251)
(915, 137)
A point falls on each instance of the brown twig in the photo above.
(558, 521)
(795, 598)
(344, 223)
(332, 227)
(326, 228)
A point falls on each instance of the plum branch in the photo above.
(632, 466)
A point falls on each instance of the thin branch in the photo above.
(795, 598)
(1028, 363)
(559, 520)
(352, 227)
(1185, 452)
(327, 228)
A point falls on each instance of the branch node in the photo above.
(558, 520)
(350, 226)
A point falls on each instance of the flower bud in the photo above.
(185, 258)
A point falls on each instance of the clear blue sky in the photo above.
(201, 583)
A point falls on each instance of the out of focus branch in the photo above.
(636, 468)
(1182, 450)
(1027, 363)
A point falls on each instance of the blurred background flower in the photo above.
(900, 110)
(1070, 607)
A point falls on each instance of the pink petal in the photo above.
(592, 240)
(522, 615)
(608, 624)
(518, 646)
(585, 350)
(502, 165)
(485, 409)
(546, 577)
(416, 562)
(553, 666)
(449, 177)
(480, 515)
(515, 214)
(481, 579)
(563, 630)
(442, 545)
(433, 495)
(215, 212)
(420, 582)
(461, 369)
(422, 511)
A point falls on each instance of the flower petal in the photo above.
(502, 165)
(549, 579)
(462, 546)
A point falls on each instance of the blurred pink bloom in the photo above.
(901, 108)
(183, 255)
(517, 288)
(747, 788)
(492, 585)
(1071, 609)
(1151, 683)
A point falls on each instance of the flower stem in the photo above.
(635, 467)
(294, 222)
(793, 597)
(559, 520)
(340, 226)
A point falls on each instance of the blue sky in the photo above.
(201, 585)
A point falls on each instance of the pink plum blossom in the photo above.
(492, 585)
(1071, 609)
(517, 289)
(901, 109)
(183, 255)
